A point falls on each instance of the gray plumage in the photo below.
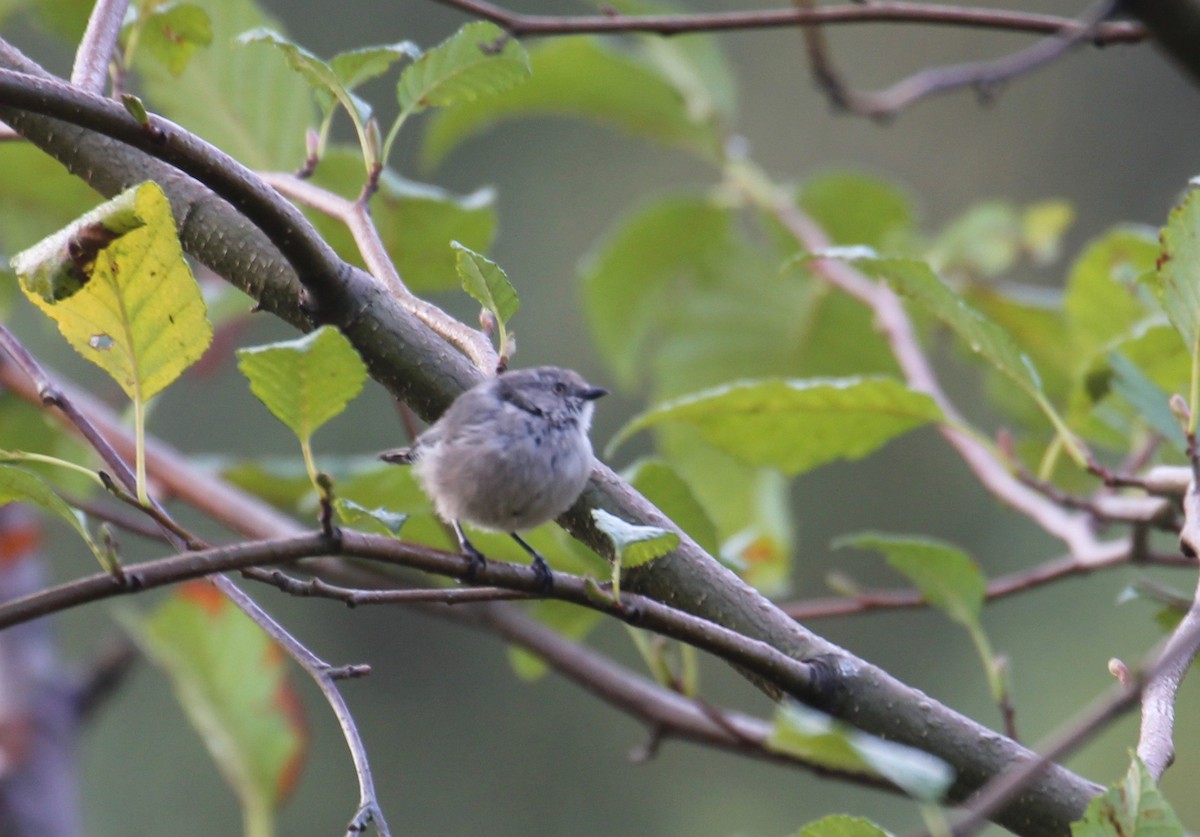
(510, 453)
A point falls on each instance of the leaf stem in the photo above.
(24, 456)
(139, 423)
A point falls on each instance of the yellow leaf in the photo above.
(118, 287)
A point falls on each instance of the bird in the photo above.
(509, 454)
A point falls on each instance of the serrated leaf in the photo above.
(1134, 807)
(245, 101)
(20, 486)
(232, 683)
(355, 66)
(479, 60)
(382, 520)
(842, 825)
(583, 78)
(315, 71)
(307, 381)
(173, 32)
(634, 545)
(1102, 299)
(116, 284)
(946, 576)
(1150, 402)
(915, 279)
(1179, 271)
(796, 425)
(819, 739)
(666, 489)
(488, 285)
(484, 280)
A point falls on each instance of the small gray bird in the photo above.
(511, 453)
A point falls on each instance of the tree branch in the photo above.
(878, 11)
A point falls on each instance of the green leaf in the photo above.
(984, 242)
(855, 208)
(1043, 226)
(841, 825)
(583, 78)
(674, 240)
(946, 576)
(1179, 276)
(819, 739)
(307, 381)
(20, 486)
(1150, 402)
(116, 284)
(232, 683)
(244, 101)
(1133, 807)
(173, 32)
(634, 545)
(666, 489)
(315, 72)
(796, 425)
(488, 285)
(356, 66)
(479, 60)
(1102, 296)
(382, 520)
(917, 280)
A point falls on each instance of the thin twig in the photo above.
(796, 676)
(1156, 746)
(878, 11)
(98, 45)
(325, 676)
(353, 597)
(984, 76)
(998, 588)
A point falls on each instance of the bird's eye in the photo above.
(560, 388)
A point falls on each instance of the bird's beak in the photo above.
(592, 393)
